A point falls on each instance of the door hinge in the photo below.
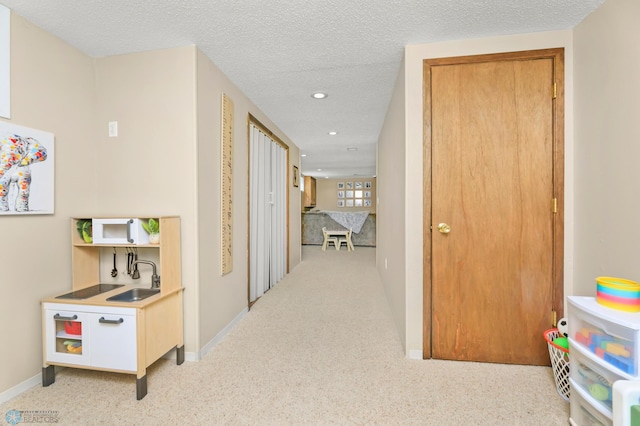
(554, 205)
(554, 318)
(555, 90)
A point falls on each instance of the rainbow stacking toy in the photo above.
(618, 293)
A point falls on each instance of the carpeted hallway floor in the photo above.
(318, 349)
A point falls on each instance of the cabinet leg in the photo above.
(179, 354)
(141, 387)
(48, 375)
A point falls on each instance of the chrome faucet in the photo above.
(155, 278)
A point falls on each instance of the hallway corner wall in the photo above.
(391, 205)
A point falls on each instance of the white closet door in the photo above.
(260, 214)
(267, 213)
(278, 219)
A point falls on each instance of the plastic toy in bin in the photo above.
(563, 334)
(563, 327)
(599, 387)
(615, 351)
(73, 346)
(73, 327)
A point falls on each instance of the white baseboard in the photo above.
(414, 354)
(188, 356)
(191, 356)
(206, 348)
(22, 387)
(197, 356)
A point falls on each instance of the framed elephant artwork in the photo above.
(26, 170)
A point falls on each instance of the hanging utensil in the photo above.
(129, 261)
(136, 273)
(114, 271)
(132, 259)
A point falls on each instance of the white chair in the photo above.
(328, 239)
(347, 241)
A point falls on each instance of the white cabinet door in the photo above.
(113, 340)
(67, 336)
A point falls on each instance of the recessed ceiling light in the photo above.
(319, 95)
(352, 148)
(303, 155)
(333, 133)
(319, 170)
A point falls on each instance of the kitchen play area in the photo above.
(112, 319)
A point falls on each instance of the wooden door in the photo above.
(493, 163)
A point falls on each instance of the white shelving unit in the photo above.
(603, 348)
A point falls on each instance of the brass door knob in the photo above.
(444, 228)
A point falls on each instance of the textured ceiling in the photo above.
(280, 51)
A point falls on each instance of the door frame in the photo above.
(557, 55)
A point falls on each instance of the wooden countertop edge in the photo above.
(101, 299)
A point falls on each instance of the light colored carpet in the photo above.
(318, 349)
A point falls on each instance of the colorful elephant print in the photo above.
(17, 153)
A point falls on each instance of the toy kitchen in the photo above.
(115, 318)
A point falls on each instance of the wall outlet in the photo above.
(113, 129)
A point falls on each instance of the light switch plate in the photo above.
(113, 129)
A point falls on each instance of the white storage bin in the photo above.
(609, 334)
(582, 413)
(119, 231)
(592, 378)
(626, 403)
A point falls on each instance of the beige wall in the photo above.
(327, 194)
(221, 299)
(391, 232)
(607, 107)
(165, 161)
(52, 89)
(149, 169)
(412, 166)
